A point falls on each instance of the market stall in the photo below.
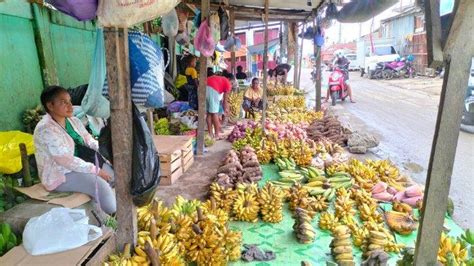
(286, 192)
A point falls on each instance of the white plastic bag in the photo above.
(59, 229)
(126, 13)
(170, 23)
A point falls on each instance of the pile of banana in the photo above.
(280, 89)
(327, 221)
(303, 229)
(191, 231)
(401, 222)
(270, 199)
(341, 246)
(223, 197)
(235, 103)
(291, 102)
(452, 251)
(292, 114)
(246, 206)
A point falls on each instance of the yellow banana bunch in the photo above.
(246, 207)
(233, 241)
(184, 206)
(344, 206)
(270, 199)
(235, 103)
(360, 237)
(452, 251)
(320, 204)
(401, 222)
(401, 207)
(156, 210)
(122, 259)
(303, 229)
(215, 213)
(369, 212)
(341, 246)
(327, 221)
(224, 197)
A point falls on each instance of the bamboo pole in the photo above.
(232, 30)
(300, 58)
(202, 86)
(294, 29)
(265, 64)
(317, 57)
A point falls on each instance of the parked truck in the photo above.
(383, 50)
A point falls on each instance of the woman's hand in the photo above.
(105, 175)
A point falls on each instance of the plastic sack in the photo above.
(145, 162)
(197, 19)
(10, 158)
(170, 23)
(224, 20)
(204, 42)
(126, 13)
(215, 24)
(79, 9)
(59, 229)
(147, 70)
(362, 10)
(93, 103)
(319, 37)
(232, 43)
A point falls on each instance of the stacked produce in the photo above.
(401, 222)
(270, 199)
(239, 169)
(8, 239)
(328, 128)
(328, 154)
(341, 246)
(222, 196)
(303, 229)
(292, 114)
(235, 103)
(189, 232)
(246, 206)
(241, 129)
(452, 251)
(291, 101)
(31, 118)
(162, 127)
(327, 221)
(412, 195)
(280, 89)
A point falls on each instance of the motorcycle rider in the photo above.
(342, 63)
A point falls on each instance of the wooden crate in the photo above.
(174, 152)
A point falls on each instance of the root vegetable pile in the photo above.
(239, 168)
(328, 128)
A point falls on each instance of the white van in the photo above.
(353, 62)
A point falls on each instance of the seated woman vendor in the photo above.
(59, 138)
(253, 97)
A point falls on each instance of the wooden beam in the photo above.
(300, 58)
(41, 26)
(25, 166)
(457, 62)
(232, 31)
(202, 87)
(317, 57)
(118, 76)
(257, 16)
(296, 60)
(265, 64)
(433, 33)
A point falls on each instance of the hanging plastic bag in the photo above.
(58, 230)
(362, 10)
(319, 37)
(147, 69)
(215, 25)
(203, 42)
(170, 24)
(197, 19)
(126, 13)
(79, 9)
(182, 38)
(224, 20)
(145, 162)
(10, 158)
(94, 103)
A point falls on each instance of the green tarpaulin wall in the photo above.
(280, 239)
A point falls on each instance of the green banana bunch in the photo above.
(8, 239)
(285, 164)
(468, 236)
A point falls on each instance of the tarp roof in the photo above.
(258, 49)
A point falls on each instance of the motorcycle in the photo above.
(397, 69)
(337, 85)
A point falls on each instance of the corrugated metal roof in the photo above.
(279, 4)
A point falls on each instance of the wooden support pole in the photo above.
(25, 166)
(232, 31)
(118, 76)
(265, 64)
(296, 57)
(300, 58)
(317, 57)
(433, 33)
(172, 49)
(202, 87)
(458, 53)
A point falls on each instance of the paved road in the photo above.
(403, 116)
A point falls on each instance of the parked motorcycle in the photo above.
(397, 69)
(337, 85)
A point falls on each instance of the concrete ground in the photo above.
(402, 113)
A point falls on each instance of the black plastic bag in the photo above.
(224, 21)
(77, 94)
(362, 10)
(145, 162)
(105, 143)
